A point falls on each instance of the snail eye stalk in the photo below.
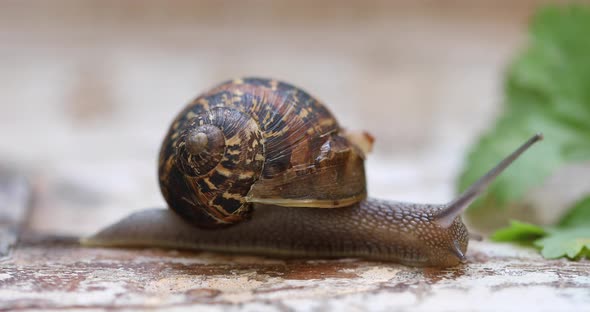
(452, 210)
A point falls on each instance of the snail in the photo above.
(258, 166)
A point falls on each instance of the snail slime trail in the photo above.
(258, 166)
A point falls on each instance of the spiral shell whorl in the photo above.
(219, 155)
(200, 147)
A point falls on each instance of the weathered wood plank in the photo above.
(55, 273)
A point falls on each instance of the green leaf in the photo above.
(573, 243)
(547, 89)
(518, 232)
(577, 216)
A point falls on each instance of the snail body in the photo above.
(251, 166)
(372, 229)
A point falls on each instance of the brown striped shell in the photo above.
(257, 141)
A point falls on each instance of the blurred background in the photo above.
(88, 88)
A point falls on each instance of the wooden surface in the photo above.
(48, 273)
(88, 90)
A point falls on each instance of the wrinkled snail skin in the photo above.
(373, 229)
(257, 166)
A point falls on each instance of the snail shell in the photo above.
(257, 141)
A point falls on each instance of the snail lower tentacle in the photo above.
(372, 229)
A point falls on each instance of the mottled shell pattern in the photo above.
(255, 140)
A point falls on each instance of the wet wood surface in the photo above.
(55, 273)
